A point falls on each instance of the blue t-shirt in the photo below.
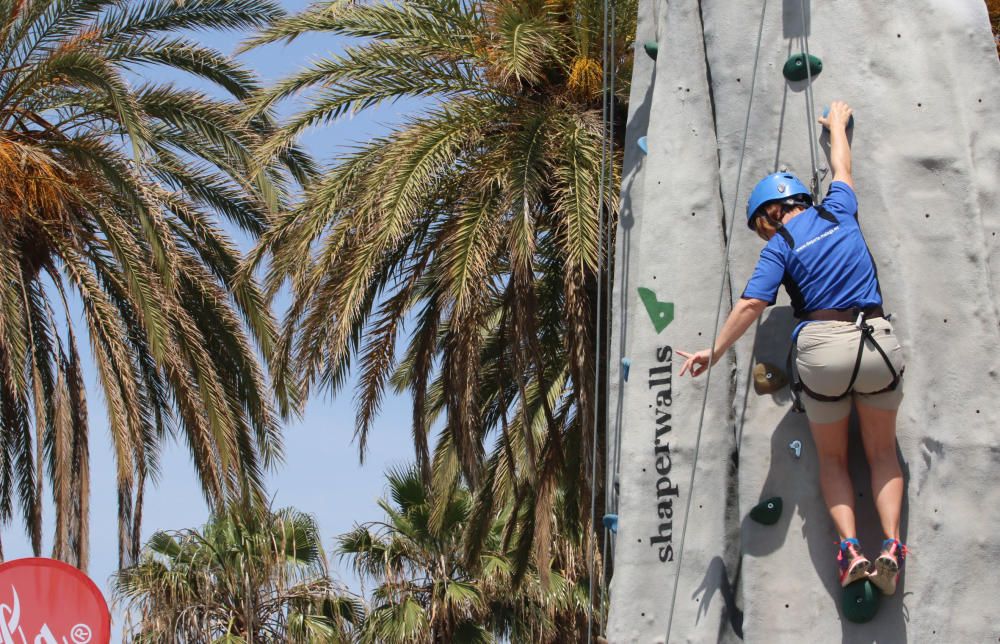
(823, 262)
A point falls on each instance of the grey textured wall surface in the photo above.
(924, 81)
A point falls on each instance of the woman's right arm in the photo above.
(840, 149)
(746, 311)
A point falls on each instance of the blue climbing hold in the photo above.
(611, 522)
(642, 145)
(826, 112)
(626, 363)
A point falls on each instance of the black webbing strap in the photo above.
(798, 386)
(825, 214)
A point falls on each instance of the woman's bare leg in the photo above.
(878, 431)
(834, 480)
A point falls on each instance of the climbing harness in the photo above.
(860, 318)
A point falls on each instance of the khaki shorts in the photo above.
(827, 353)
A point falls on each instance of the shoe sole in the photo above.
(859, 571)
(884, 577)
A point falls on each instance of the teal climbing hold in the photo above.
(826, 112)
(626, 363)
(652, 48)
(767, 512)
(611, 522)
(642, 145)
(795, 68)
(660, 313)
(859, 601)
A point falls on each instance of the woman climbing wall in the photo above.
(847, 352)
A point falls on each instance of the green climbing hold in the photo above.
(661, 314)
(860, 601)
(768, 511)
(652, 48)
(795, 68)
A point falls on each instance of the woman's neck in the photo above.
(791, 213)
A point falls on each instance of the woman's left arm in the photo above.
(746, 311)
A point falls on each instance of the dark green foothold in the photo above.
(768, 511)
(660, 313)
(652, 48)
(795, 67)
(860, 601)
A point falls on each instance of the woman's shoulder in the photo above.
(841, 199)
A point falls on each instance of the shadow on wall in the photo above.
(793, 26)
(796, 481)
(631, 164)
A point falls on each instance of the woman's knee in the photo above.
(883, 456)
(832, 463)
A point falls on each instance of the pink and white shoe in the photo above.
(888, 566)
(853, 564)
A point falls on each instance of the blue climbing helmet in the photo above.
(783, 186)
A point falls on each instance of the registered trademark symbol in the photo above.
(80, 634)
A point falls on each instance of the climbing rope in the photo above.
(810, 107)
(718, 316)
(609, 534)
(601, 262)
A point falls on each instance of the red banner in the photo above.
(44, 601)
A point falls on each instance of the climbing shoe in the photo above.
(888, 565)
(853, 564)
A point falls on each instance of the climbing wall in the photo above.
(924, 81)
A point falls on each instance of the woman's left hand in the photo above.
(696, 363)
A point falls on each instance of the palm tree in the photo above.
(424, 592)
(469, 235)
(250, 575)
(109, 194)
(993, 7)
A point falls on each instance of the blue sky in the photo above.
(321, 474)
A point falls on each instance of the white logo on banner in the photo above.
(10, 624)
